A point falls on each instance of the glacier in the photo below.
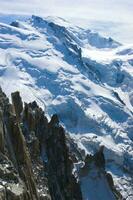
(83, 77)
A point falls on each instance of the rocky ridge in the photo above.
(38, 160)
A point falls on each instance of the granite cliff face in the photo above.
(38, 160)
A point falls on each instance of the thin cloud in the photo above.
(114, 11)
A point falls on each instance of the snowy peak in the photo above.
(86, 36)
(83, 77)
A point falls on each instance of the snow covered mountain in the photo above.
(83, 77)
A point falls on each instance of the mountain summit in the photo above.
(84, 78)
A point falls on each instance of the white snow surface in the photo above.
(83, 77)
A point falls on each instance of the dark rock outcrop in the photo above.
(15, 24)
(37, 157)
(60, 164)
(1, 133)
(18, 179)
(34, 157)
(99, 158)
(17, 104)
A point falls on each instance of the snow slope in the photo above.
(83, 77)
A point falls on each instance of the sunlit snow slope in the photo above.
(83, 77)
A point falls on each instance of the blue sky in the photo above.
(110, 17)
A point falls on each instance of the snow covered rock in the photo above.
(80, 75)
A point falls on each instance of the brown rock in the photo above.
(17, 104)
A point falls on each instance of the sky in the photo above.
(110, 17)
